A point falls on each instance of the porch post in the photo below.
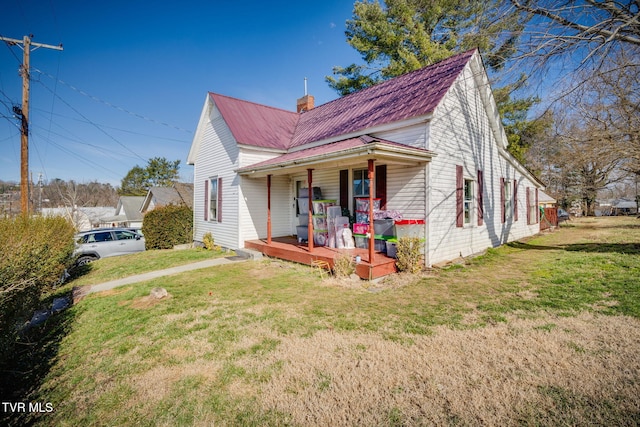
(268, 209)
(371, 230)
(310, 213)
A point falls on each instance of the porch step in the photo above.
(249, 254)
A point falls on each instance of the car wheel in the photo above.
(85, 260)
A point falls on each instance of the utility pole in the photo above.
(24, 114)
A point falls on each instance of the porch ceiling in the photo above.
(343, 154)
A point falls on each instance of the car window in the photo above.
(104, 236)
(124, 235)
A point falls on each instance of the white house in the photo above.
(429, 144)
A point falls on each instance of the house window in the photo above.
(508, 200)
(361, 183)
(468, 200)
(214, 200)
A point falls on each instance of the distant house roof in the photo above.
(544, 198)
(411, 95)
(131, 206)
(179, 194)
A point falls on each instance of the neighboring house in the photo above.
(546, 201)
(624, 207)
(431, 141)
(83, 218)
(128, 213)
(179, 194)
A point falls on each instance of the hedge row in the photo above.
(34, 253)
(167, 226)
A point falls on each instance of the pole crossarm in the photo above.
(34, 44)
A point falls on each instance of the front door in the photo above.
(298, 184)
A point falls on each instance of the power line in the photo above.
(93, 123)
(108, 104)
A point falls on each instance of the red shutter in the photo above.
(502, 211)
(344, 188)
(537, 208)
(459, 197)
(381, 185)
(206, 200)
(515, 200)
(528, 206)
(480, 198)
(219, 210)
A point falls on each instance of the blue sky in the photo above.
(133, 76)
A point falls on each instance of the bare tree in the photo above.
(563, 36)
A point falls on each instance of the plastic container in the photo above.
(391, 249)
(410, 228)
(302, 232)
(384, 227)
(362, 204)
(320, 222)
(362, 242)
(320, 206)
(303, 205)
(362, 217)
(360, 228)
(304, 192)
(334, 211)
(320, 237)
(303, 219)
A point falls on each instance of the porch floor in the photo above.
(289, 249)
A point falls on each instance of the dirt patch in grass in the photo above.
(578, 370)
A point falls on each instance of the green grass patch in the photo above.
(187, 359)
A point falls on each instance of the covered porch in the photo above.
(362, 152)
(289, 249)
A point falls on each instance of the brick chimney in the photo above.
(305, 103)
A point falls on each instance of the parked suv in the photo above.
(106, 242)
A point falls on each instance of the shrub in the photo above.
(408, 254)
(344, 265)
(209, 243)
(35, 251)
(167, 226)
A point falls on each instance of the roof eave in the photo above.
(406, 155)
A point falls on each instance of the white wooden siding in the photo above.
(217, 157)
(461, 134)
(414, 136)
(253, 205)
(406, 190)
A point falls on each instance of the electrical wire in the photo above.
(93, 123)
(108, 104)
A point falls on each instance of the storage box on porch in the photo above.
(302, 233)
(303, 205)
(410, 228)
(320, 222)
(383, 227)
(320, 206)
(362, 242)
(304, 192)
(359, 228)
(320, 237)
(362, 204)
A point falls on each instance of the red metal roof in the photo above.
(410, 95)
(255, 124)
